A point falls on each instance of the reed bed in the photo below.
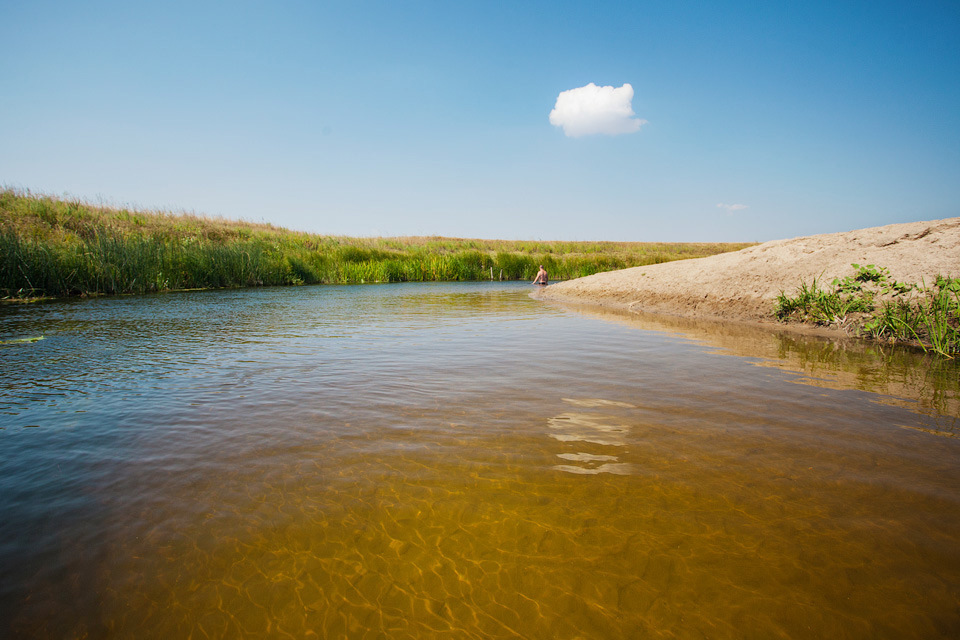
(57, 247)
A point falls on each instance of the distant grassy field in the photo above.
(54, 247)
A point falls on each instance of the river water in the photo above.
(464, 461)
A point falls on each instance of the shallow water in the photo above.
(460, 460)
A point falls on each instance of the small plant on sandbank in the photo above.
(871, 304)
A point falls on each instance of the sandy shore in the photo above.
(743, 285)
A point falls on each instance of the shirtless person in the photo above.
(541, 276)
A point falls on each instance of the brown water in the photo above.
(463, 461)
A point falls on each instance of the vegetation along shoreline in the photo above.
(55, 247)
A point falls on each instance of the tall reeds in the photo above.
(52, 247)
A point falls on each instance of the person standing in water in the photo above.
(541, 276)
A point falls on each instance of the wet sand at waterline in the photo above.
(744, 285)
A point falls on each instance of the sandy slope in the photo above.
(744, 285)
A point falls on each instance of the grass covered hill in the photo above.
(56, 247)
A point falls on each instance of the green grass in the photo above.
(55, 247)
(869, 303)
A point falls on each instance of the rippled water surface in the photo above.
(463, 461)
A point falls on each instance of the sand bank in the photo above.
(744, 285)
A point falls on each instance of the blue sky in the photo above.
(433, 118)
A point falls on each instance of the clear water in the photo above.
(463, 461)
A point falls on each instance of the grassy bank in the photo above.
(870, 303)
(54, 247)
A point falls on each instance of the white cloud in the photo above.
(591, 110)
(732, 207)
